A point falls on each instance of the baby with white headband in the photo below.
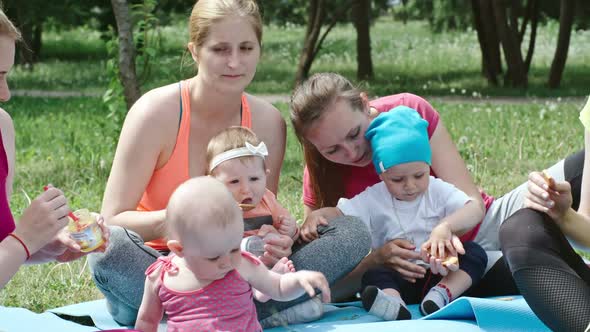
(236, 157)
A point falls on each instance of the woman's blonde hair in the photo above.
(207, 12)
(7, 28)
(229, 139)
(309, 102)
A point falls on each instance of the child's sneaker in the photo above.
(437, 297)
(304, 312)
(384, 306)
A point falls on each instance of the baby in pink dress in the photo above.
(206, 285)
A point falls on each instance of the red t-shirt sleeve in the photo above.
(308, 195)
(426, 111)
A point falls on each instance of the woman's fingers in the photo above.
(530, 203)
(407, 269)
(309, 232)
(537, 190)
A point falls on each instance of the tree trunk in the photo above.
(566, 19)
(491, 61)
(36, 42)
(127, 72)
(516, 75)
(361, 11)
(534, 14)
(26, 50)
(315, 19)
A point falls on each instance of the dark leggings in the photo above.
(551, 276)
(473, 263)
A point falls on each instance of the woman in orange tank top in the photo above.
(164, 138)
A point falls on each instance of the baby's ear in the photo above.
(176, 247)
(267, 171)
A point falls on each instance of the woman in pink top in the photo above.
(39, 235)
(205, 284)
(330, 118)
(163, 143)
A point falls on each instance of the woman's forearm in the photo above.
(12, 256)
(150, 225)
(576, 226)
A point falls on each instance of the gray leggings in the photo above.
(119, 273)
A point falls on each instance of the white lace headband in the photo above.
(248, 150)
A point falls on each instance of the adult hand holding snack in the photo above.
(547, 195)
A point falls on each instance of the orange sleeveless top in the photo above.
(176, 170)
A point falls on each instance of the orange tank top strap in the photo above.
(246, 114)
(253, 259)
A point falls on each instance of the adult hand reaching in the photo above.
(396, 254)
(309, 229)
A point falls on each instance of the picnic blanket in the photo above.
(462, 315)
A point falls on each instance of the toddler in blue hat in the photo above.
(409, 203)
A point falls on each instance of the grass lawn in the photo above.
(70, 143)
(405, 57)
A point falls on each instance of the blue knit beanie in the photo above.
(398, 136)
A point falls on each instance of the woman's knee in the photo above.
(353, 236)
(124, 246)
(526, 227)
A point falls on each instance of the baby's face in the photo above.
(244, 177)
(407, 181)
(215, 252)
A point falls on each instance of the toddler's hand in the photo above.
(288, 226)
(312, 280)
(450, 262)
(438, 244)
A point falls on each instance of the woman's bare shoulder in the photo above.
(159, 107)
(6, 124)
(263, 107)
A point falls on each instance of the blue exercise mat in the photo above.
(19, 320)
(465, 314)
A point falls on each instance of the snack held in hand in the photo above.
(450, 261)
(85, 231)
(548, 178)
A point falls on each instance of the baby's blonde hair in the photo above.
(229, 139)
(197, 204)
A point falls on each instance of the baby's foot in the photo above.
(284, 265)
(304, 312)
(384, 306)
(437, 297)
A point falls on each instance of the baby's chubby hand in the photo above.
(287, 226)
(310, 281)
